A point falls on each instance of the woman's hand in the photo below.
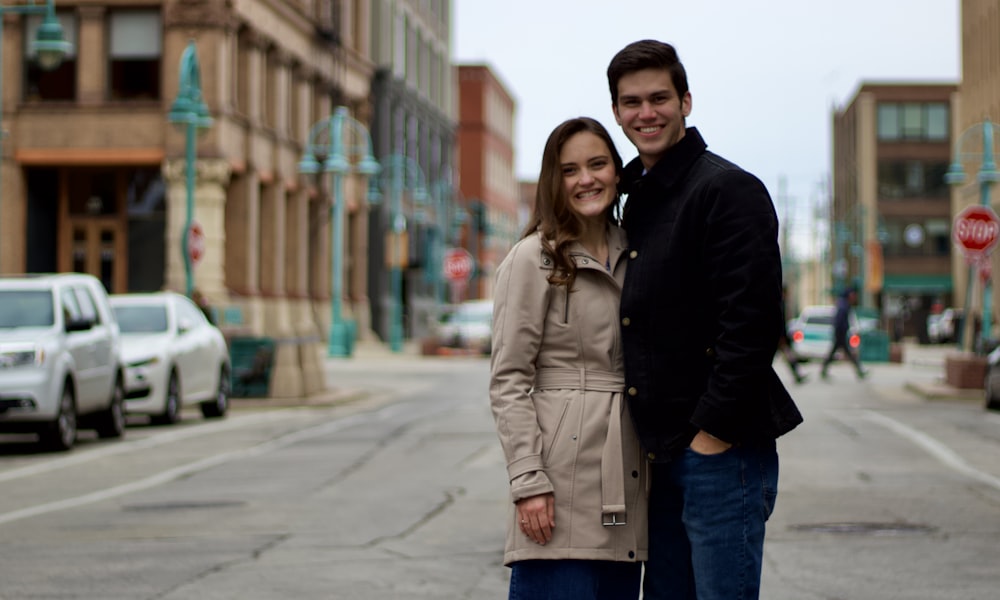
(537, 517)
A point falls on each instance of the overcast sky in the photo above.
(765, 75)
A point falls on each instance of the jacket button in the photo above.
(635, 474)
(632, 391)
(651, 456)
(631, 554)
(633, 254)
(626, 321)
(709, 352)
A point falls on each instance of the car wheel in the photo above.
(992, 400)
(60, 434)
(111, 423)
(218, 407)
(172, 402)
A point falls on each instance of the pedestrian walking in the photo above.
(841, 334)
(578, 484)
(700, 315)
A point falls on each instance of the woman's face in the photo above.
(588, 175)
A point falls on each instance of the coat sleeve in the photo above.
(743, 268)
(521, 298)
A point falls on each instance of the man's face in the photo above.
(651, 113)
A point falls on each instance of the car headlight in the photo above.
(21, 358)
(145, 362)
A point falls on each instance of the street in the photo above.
(401, 494)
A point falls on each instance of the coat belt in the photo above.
(612, 455)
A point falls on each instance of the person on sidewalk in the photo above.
(841, 333)
(577, 517)
(700, 315)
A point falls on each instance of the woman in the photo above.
(577, 521)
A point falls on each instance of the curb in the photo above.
(325, 398)
(941, 391)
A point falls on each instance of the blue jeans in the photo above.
(574, 580)
(706, 524)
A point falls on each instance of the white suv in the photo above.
(60, 365)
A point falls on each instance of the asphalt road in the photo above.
(401, 494)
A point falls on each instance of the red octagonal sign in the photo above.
(458, 264)
(976, 229)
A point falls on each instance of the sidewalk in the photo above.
(926, 373)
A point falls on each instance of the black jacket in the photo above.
(701, 305)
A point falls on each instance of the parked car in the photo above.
(812, 332)
(468, 325)
(60, 366)
(991, 386)
(942, 327)
(173, 357)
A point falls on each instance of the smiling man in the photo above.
(700, 315)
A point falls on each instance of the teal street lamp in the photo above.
(988, 175)
(338, 140)
(49, 48)
(399, 173)
(190, 111)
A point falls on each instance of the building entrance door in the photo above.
(93, 226)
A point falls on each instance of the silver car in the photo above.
(60, 365)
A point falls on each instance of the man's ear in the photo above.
(686, 104)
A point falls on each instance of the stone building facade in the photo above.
(93, 174)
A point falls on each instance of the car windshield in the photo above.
(819, 320)
(142, 319)
(26, 308)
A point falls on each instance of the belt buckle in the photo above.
(614, 522)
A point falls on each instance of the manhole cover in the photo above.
(864, 528)
(185, 505)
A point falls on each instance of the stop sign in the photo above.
(458, 264)
(976, 229)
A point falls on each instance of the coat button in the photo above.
(633, 254)
(631, 554)
(585, 261)
(709, 352)
(626, 321)
(632, 391)
(635, 474)
(651, 456)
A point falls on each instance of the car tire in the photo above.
(992, 401)
(172, 402)
(60, 435)
(220, 405)
(111, 422)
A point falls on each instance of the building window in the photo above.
(913, 121)
(902, 179)
(59, 83)
(134, 54)
(914, 236)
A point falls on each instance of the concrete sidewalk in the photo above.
(923, 374)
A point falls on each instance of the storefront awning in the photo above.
(916, 284)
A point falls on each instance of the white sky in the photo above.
(765, 75)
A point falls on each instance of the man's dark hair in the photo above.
(646, 54)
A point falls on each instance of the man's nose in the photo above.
(646, 111)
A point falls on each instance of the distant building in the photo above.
(890, 212)
(977, 100)
(486, 169)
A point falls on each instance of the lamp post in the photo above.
(49, 46)
(986, 176)
(339, 139)
(403, 173)
(190, 111)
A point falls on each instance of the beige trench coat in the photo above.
(556, 394)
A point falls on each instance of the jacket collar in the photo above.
(672, 165)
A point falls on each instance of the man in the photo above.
(841, 329)
(700, 314)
